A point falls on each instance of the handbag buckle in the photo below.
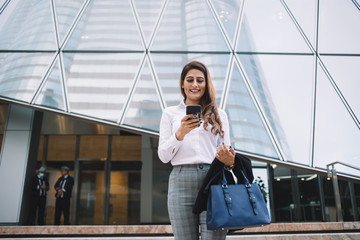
(224, 186)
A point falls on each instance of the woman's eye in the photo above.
(190, 80)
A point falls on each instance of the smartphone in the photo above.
(193, 109)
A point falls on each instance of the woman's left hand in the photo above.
(225, 155)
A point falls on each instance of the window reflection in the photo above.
(266, 27)
(341, 143)
(21, 73)
(188, 26)
(98, 84)
(3, 118)
(27, 25)
(51, 94)
(228, 12)
(286, 101)
(148, 12)
(247, 130)
(302, 203)
(144, 110)
(112, 27)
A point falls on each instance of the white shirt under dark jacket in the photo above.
(197, 147)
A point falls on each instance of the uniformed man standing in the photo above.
(63, 189)
(39, 188)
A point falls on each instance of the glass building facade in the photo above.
(95, 75)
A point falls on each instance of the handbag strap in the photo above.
(226, 192)
(250, 193)
(227, 196)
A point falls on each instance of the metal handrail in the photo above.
(329, 172)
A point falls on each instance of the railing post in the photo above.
(339, 216)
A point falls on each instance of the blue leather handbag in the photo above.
(236, 206)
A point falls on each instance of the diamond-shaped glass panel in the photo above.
(266, 27)
(144, 110)
(336, 135)
(247, 130)
(106, 25)
(21, 73)
(98, 84)
(188, 26)
(27, 25)
(51, 94)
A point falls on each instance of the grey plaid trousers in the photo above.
(184, 184)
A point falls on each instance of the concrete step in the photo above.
(275, 231)
(313, 236)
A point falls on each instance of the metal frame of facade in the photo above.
(234, 61)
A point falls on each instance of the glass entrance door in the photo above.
(90, 197)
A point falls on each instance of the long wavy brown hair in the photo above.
(208, 105)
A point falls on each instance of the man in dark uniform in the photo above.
(39, 188)
(63, 189)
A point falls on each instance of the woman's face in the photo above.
(194, 85)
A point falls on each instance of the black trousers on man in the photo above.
(62, 205)
(37, 202)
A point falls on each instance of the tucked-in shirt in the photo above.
(197, 147)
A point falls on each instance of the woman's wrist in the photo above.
(178, 135)
(232, 163)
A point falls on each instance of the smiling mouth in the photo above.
(195, 90)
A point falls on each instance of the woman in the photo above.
(191, 144)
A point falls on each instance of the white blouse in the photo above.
(197, 147)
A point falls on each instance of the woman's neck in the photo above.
(189, 102)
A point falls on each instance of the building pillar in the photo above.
(146, 180)
(353, 201)
(14, 161)
(295, 195)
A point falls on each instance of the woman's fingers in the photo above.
(232, 151)
(222, 148)
(192, 122)
(186, 117)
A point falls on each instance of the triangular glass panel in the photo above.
(148, 12)
(51, 94)
(337, 137)
(340, 34)
(168, 68)
(66, 12)
(286, 101)
(144, 110)
(305, 14)
(27, 25)
(345, 71)
(247, 131)
(228, 12)
(188, 26)
(98, 83)
(21, 73)
(266, 27)
(106, 25)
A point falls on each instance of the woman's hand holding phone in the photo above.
(188, 123)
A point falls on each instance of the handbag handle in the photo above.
(227, 196)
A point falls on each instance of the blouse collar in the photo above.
(182, 104)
